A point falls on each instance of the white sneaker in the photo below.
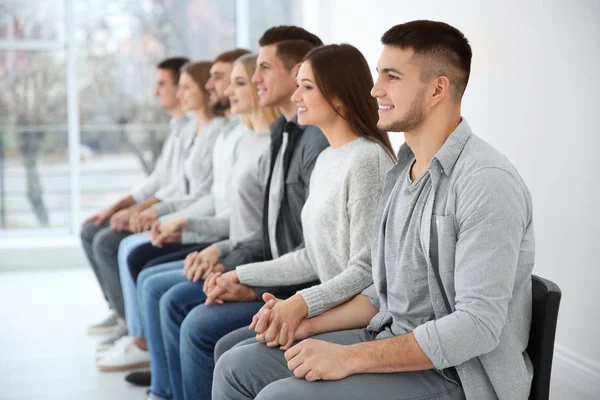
(124, 356)
(109, 342)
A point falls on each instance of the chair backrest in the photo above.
(545, 302)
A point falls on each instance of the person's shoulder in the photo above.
(478, 156)
(313, 139)
(482, 167)
(369, 160)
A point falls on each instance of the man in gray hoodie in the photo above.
(449, 312)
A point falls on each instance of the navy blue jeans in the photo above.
(199, 334)
(166, 298)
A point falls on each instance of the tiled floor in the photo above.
(44, 353)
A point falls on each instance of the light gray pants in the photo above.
(249, 371)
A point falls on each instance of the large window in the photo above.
(79, 124)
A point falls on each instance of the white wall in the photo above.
(534, 94)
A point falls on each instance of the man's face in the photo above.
(217, 83)
(166, 89)
(274, 82)
(399, 91)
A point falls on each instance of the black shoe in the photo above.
(139, 378)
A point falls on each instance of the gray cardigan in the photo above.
(478, 228)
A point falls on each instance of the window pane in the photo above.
(267, 13)
(31, 19)
(34, 191)
(119, 45)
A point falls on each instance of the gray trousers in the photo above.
(101, 246)
(239, 337)
(249, 371)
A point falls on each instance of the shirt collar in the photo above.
(448, 154)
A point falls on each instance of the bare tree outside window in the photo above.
(122, 129)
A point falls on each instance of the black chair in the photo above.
(545, 302)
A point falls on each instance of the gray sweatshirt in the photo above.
(170, 163)
(246, 198)
(476, 229)
(196, 178)
(223, 151)
(234, 155)
(337, 219)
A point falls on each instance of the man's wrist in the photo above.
(352, 359)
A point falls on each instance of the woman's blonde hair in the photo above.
(248, 61)
(200, 73)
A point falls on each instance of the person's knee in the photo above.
(142, 278)
(232, 365)
(88, 231)
(232, 339)
(222, 346)
(152, 287)
(168, 301)
(196, 329)
(104, 242)
(284, 389)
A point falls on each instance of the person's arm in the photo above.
(319, 360)
(493, 213)
(100, 217)
(203, 207)
(151, 184)
(149, 202)
(125, 202)
(289, 269)
(200, 161)
(207, 229)
(172, 191)
(354, 314)
(357, 275)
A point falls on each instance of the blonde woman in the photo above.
(167, 291)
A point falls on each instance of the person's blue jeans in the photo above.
(152, 284)
(132, 313)
(199, 334)
(166, 297)
(150, 256)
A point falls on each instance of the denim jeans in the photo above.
(152, 284)
(132, 312)
(200, 332)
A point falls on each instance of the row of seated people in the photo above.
(281, 241)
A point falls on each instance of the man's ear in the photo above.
(440, 89)
(296, 68)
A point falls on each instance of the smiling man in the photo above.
(283, 176)
(448, 314)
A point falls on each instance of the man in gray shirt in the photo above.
(448, 314)
(112, 224)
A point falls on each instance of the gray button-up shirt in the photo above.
(477, 231)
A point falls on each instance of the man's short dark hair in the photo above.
(174, 65)
(292, 43)
(291, 52)
(288, 32)
(231, 55)
(444, 49)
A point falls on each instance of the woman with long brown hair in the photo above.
(334, 84)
